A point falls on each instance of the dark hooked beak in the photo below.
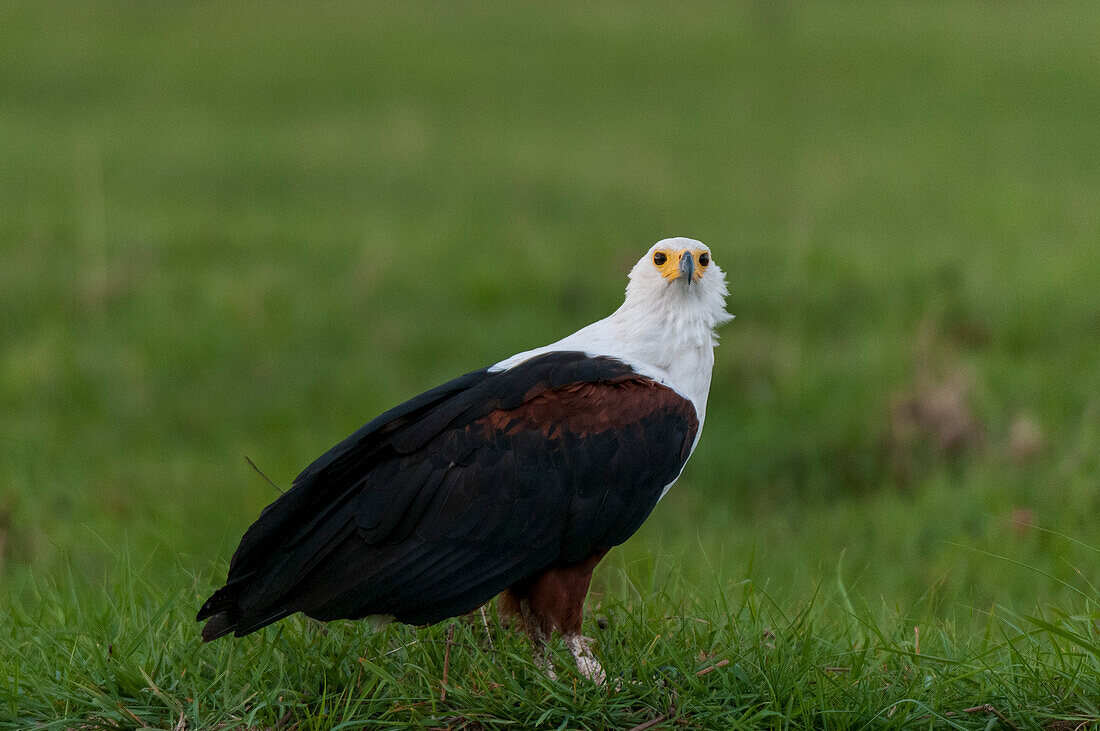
(687, 266)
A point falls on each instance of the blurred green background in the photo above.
(246, 229)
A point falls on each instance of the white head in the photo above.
(678, 288)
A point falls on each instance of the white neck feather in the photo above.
(664, 330)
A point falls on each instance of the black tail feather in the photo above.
(223, 615)
(217, 625)
(220, 612)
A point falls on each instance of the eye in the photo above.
(659, 258)
(704, 259)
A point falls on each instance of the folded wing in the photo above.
(441, 503)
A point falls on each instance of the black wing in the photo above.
(441, 503)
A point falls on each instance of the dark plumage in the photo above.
(487, 482)
(513, 480)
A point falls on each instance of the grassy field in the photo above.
(231, 230)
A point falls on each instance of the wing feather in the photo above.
(436, 506)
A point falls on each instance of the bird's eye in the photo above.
(704, 259)
(659, 258)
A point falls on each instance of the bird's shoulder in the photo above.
(548, 392)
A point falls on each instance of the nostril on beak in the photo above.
(687, 266)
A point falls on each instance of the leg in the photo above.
(539, 640)
(554, 600)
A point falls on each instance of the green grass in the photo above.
(731, 659)
(246, 230)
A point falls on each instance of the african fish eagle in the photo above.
(514, 479)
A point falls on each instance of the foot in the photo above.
(587, 663)
(543, 663)
(539, 641)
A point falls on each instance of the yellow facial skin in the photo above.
(670, 267)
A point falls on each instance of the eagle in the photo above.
(512, 480)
